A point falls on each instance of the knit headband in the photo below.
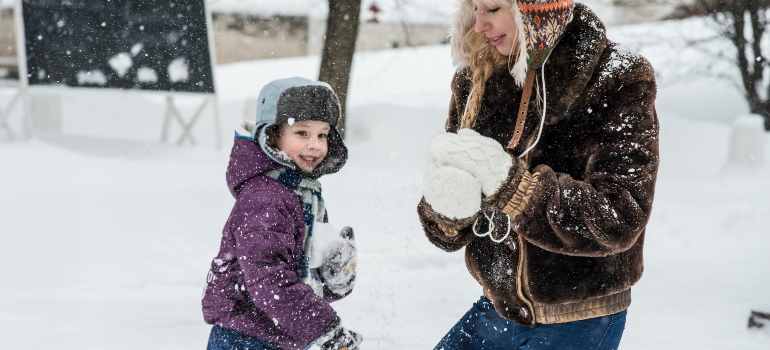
(544, 22)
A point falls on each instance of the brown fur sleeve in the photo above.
(514, 191)
(447, 234)
(604, 212)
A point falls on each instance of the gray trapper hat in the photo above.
(298, 99)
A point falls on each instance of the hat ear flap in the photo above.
(519, 70)
(336, 157)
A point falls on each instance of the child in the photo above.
(270, 287)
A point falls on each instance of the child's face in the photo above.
(305, 142)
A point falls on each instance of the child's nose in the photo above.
(314, 143)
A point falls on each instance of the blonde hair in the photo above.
(484, 58)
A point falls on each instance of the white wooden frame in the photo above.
(5, 114)
(22, 84)
(172, 112)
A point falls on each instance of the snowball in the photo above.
(324, 236)
(95, 77)
(146, 75)
(137, 48)
(178, 70)
(747, 141)
(121, 63)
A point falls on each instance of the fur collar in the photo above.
(572, 63)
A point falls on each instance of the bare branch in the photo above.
(743, 24)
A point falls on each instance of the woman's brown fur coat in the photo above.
(581, 234)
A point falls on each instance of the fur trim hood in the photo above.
(540, 23)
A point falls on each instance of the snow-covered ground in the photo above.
(106, 235)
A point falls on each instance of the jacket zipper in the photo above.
(520, 280)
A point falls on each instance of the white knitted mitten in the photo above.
(453, 193)
(479, 155)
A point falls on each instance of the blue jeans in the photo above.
(227, 339)
(483, 328)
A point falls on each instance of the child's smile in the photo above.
(309, 161)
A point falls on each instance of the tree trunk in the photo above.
(339, 46)
(749, 56)
(764, 111)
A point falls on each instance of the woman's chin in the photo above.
(505, 51)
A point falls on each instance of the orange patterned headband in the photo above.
(545, 7)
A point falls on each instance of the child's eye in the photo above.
(302, 133)
(323, 136)
(493, 10)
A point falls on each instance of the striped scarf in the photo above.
(313, 209)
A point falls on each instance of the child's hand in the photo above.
(338, 338)
(338, 270)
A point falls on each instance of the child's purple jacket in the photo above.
(253, 286)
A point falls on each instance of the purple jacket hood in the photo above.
(247, 160)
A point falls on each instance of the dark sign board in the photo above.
(159, 45)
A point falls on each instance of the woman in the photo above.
(546, 175)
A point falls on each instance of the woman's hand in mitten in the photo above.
(338, 338)
(453, 193)
(338, 270)
(478, 155)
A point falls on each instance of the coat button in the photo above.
(523, 312)
(511, 245)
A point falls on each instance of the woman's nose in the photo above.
(481, 25)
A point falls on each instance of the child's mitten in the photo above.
(337, 338)
(338, 269)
